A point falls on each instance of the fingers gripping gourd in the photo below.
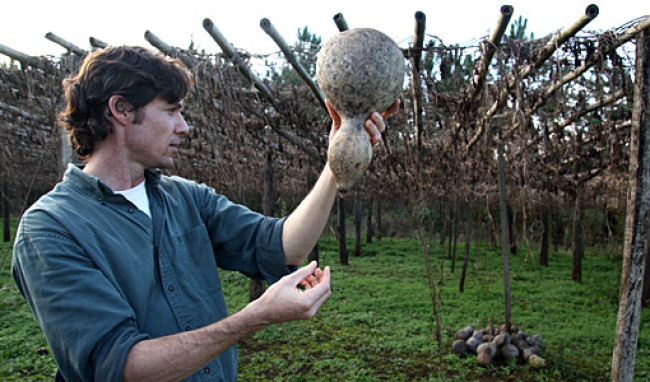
(359, 71)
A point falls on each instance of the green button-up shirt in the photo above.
(100, 275)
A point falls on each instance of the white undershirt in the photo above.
(138, 196)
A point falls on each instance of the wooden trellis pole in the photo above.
(6, 236)
(16, 111)
(231, 54)
(340, 22)
(23, 58)
(268, 27)
(66, 44)
(489, 47)
(589, 62)
(636, 222)
(542, 55)
(416, 86)
(97, 43)
(27, 60)
(505, 233)
(167, 49)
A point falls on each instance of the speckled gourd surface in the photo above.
(359, 71)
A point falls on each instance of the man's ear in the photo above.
(119, 109)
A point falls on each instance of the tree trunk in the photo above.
(577, 247)
(505, 235)
(556, 228)
(543, 250)
(369, 232)
(468, 237)
(256, 287)
(357, 223)
(445, 225)
(378, 227)
(343, 247)
(636, 227)
(492, 224)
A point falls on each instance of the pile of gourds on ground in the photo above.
(491, 344)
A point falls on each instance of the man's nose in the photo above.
(181, 126)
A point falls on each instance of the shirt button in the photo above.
(170, 288)
(206, 370)
(131, 210)
(188, 328)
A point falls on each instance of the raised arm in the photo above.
(305, 225)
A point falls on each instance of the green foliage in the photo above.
(518, 30)
(378, 325)
(450, 71)
(21, 339)
(305, 48)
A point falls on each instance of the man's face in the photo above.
(153, 141)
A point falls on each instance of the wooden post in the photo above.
(66, 44)
(645, 295)
(65, 152)
(454, 237)
(168, 49)
(97, 43)
(512, 229)
(5, 211)
(245, 70)
(416, 87)
(340, 22)
(357, 223)
(468, 236)
(577, 246)
(505, 234)
(343, 247)
(256, 287)
(378, 225)
(314, 254)
(636, 227)
(488, 49)
(268, 27)
(543, 251)
(369, 230)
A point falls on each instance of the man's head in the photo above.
(134, 74)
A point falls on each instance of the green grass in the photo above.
(20, 336)
(378, 325)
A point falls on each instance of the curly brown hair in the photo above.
(134, 73)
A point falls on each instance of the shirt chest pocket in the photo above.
(196, 255)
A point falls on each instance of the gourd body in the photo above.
(359, 71)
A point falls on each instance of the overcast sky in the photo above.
(25, 23)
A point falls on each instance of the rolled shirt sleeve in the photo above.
(90, 327)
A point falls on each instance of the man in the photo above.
(119, 263)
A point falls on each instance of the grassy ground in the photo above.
(378, 325)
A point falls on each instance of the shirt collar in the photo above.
(91, 185)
